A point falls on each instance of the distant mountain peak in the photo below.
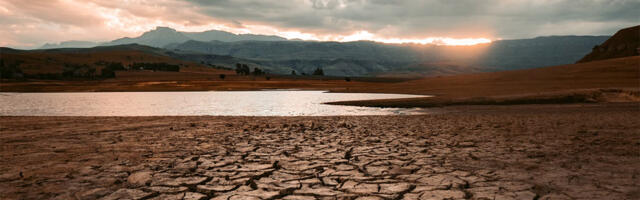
(162, 31)
(163, 36)
(164, 28)
(70, 44)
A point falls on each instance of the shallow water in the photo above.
(217, 103)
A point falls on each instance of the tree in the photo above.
(257, 71)
(156, 67)
(245, 69)
(242, 69)
(318, 72)
(10, 70)
(91, 72)
(109, 71)
(238, 68)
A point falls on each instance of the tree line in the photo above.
(317, 72)
(155, 67)
(243, 69)
(11, 70)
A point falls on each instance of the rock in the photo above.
(162, 189)
(93, 193)
(180, 181)
(125, 193)
(369, 198)
(10, 176)
(443, 194)
(141, 178)
(394, 188)
(361, 188)
(181, 196)
(319, 191)
(193, 196)
(445, 181)
(298, 197)
(555, 196)
(216, 188)
(466, 144)
(169, 197)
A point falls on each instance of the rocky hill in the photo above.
(624, 43)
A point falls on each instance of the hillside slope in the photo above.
(53, 61)
(625, 42)
(615, 79)
(366, 58)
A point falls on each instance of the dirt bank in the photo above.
(481, 152)
(560, 97)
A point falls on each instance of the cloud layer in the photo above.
(34, 22)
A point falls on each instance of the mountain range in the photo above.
(162, 36)
(366, 58)
(70, 44)
(358, 58)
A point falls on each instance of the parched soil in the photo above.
(575, 151)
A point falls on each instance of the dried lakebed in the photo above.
(479, 152)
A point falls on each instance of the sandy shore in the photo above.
(587, 151)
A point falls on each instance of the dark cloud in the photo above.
(501, 18)
(109, 19)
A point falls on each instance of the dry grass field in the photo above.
(607, 80)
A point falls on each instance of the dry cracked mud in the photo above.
(475, 152)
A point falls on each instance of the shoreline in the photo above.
(613, 80)
(564, 97)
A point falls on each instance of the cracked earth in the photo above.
(510, 152)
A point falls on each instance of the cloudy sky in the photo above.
(31, 23)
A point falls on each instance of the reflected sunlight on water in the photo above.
(217, 103)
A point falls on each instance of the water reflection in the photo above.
(218, 103)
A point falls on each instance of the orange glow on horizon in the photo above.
(439, 41)
(366, 36)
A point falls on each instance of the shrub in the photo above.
(156, 67)
(242, 69)
(318, 72)
(257, 71)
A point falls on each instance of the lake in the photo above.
(214, 103)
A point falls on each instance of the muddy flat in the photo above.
(573, 151)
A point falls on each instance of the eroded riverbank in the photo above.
(525, 152)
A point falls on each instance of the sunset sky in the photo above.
(31, 23)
